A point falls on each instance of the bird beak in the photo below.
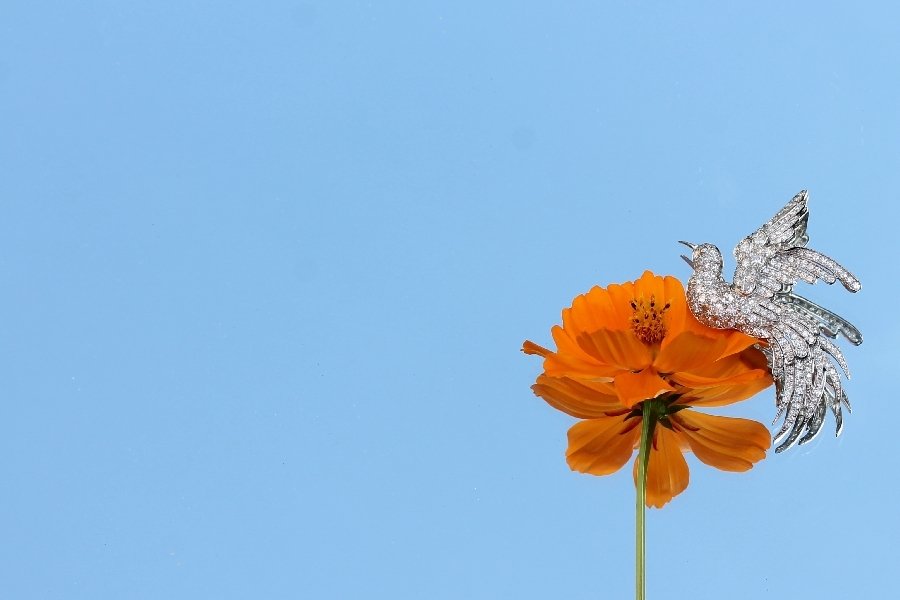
(692, 247)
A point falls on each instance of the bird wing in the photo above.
(829, 323)
(774, 257)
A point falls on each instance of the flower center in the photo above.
(647, 320)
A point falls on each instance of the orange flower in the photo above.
(628, 343)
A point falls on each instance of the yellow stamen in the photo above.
(647, 321)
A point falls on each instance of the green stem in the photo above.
(648, 421)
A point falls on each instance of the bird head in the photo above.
(706, 260)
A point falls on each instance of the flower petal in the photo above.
(601, 446)
(726, 443)
(731, 369)
(678, 314)
(581, 399)
(737, 342)
(599, 309)
(690, 380)
(667, 471)
(728, 380)
(618, 348)
(571, 361)
(620, 297)
(648, 285)
(529, 347)
(637, 387)
(689, 351)
(723, 395)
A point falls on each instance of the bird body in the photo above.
(760, 302)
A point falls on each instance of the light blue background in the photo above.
(266, 268)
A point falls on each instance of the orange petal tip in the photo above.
(529, 347)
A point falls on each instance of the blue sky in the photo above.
(267, 268)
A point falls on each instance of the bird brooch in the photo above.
(797, 333)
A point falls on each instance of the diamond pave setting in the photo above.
(798, 333)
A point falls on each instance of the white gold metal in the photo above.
(761, 302)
